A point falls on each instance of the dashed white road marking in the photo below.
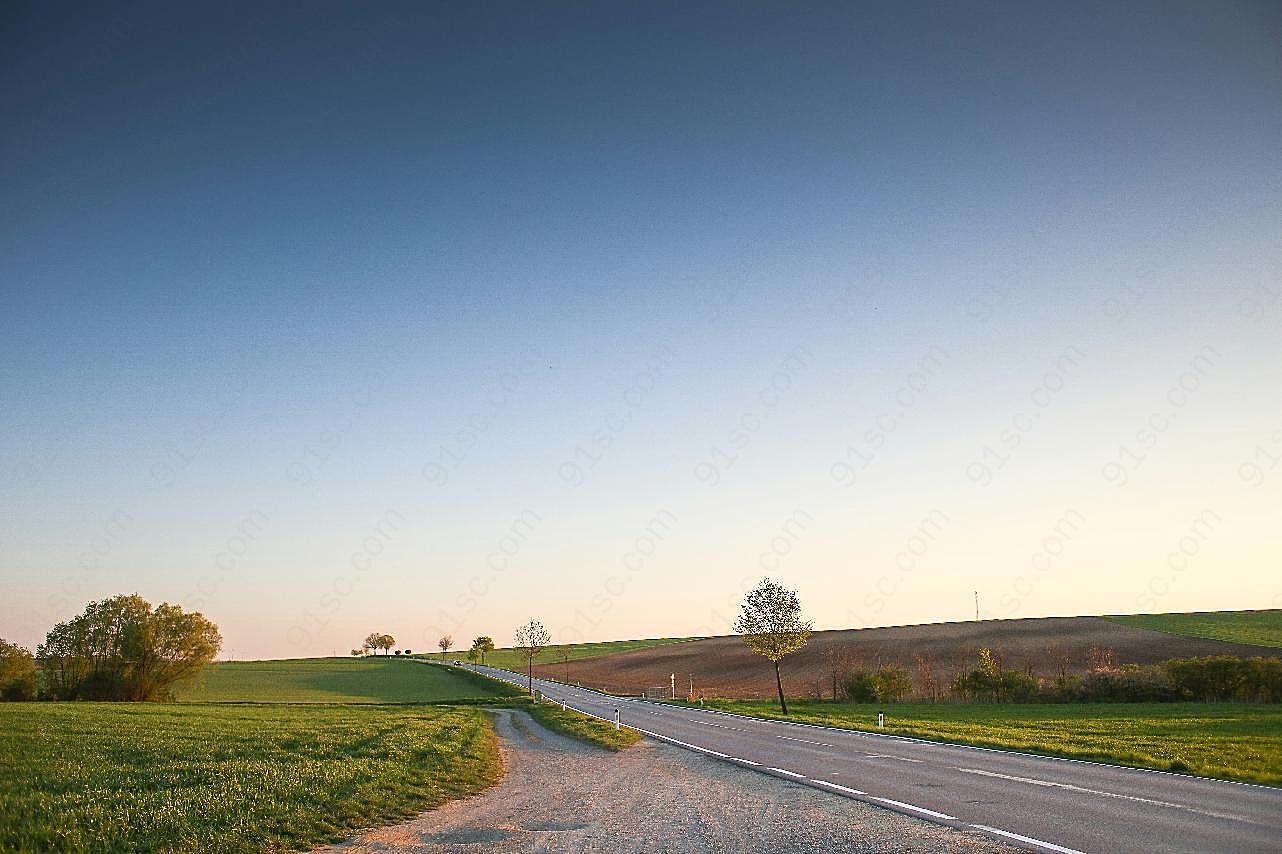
(1048, 846)
(1070, 787)
(718, 726)
(892, 756)
(915, 808)
(806, 741)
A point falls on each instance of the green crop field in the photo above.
(114, 777)
(337, 680)
(276, 755)
(1233, 741)
(1261, 628)
(513, 660)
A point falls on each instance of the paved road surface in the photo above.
(1041, 803)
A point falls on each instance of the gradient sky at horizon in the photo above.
(332, 318)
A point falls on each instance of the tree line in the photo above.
(120, 648)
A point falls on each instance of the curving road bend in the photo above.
(1037, 802)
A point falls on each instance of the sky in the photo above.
(426, 319)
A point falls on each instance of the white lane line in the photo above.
(916, 808)
(835, 786)
(745, 761)
(718, 726)
(892, 756)
(1049, 846)
(1070, 787)
(789, 773)
(806, 741)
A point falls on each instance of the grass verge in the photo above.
(581, 726)
(1230, 741)
(161, 778)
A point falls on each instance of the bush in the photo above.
(1130, 684)
(989, 682)
(860, 687)
(17, 672)
(1223, 677)
(888, 685)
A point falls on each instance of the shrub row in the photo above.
(1210, 678)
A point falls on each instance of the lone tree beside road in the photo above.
(771, 624)
(531, 639)
(445, 643)
(480, 647)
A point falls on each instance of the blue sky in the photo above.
(357, 293)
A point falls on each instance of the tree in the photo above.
(926, 675)
(530, 640)
(357, 653)
(771, 624)
(17, 672)
(480, 647)
(445, 643)
(840, 661)
(373, 641)
(120, 649)
(893, 684)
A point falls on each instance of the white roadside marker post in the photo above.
(617, 722)
(881, 721)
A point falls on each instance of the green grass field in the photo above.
(336, 680)
(265, 755)
(1261, 628)
(1232, 741)
(512, 660)
(142, 777)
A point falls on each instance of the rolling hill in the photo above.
(724, 667)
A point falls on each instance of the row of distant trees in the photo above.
(120, 648)
(376, 641)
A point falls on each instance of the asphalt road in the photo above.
(1038, 802)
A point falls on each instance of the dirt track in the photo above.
(724, 667)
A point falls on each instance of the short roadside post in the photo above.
(618, 724)
(881, 720)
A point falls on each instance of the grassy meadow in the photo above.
(1260, 628)
(257, 756)
(150, 777)
(1231, 741)
(337, 680)
(511, 659)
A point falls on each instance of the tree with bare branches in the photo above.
(530, 640)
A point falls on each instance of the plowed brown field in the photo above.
(723, 666)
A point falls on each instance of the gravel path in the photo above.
(561, 795)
